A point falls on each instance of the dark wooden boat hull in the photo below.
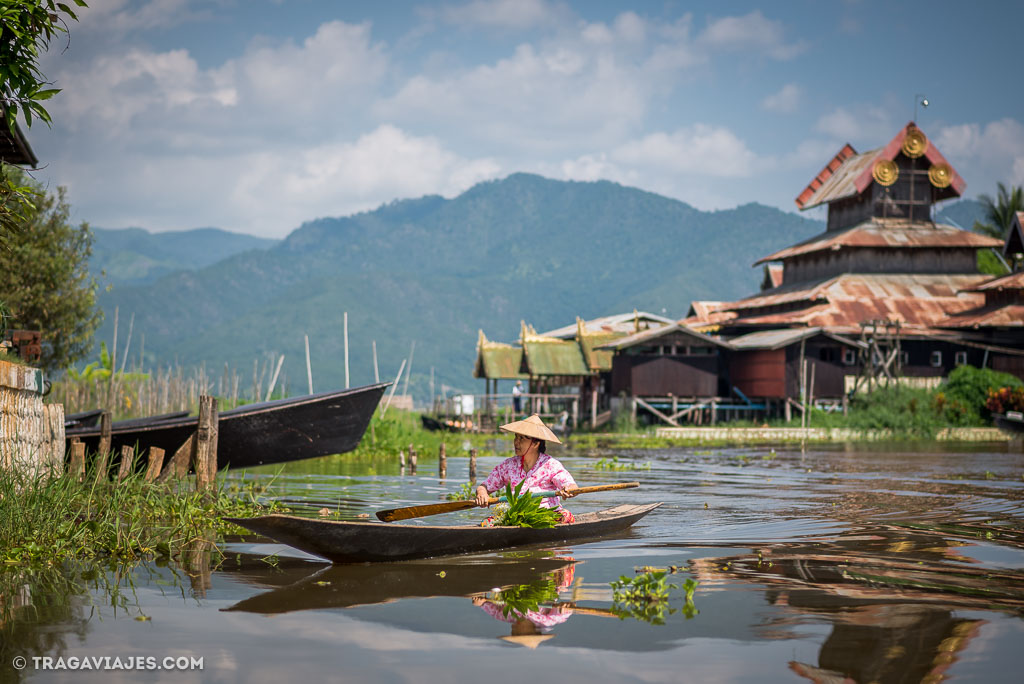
(362, 542)
(1008, 424)
(344, 586)
(258, 434)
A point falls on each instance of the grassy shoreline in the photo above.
(51, 520)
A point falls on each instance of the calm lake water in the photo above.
(866, 563)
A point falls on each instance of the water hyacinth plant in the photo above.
(524, 510)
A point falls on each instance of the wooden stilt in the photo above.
(127, 461)
(201, 446)
(472, 465)
(442, 462)
(177, 467)
(77, 467)
(156, 463)
(105, 421)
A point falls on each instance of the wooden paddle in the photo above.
(450, 506)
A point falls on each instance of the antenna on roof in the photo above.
(919, 99)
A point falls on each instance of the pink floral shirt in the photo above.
(545, 617)
(547, 474)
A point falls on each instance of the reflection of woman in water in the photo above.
(531, 626)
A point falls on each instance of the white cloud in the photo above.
(522, 101)
(985, 154)
(751, 32)
(502, 14)
(700, 149)
(873, 125)
(785, 101)
(124, 16)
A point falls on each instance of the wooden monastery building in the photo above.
(884, 293)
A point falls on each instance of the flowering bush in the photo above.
(1005, 399)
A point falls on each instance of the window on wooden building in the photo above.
(961, 358)
(936, 359)
(849, 357)
(904, 358)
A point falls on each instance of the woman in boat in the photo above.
(532, 465)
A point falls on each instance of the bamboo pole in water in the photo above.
(309, 368)
(345, 319)
(273, 380)
(376, 372)
(393, 387)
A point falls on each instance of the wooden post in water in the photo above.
(472, 465)
(105, 420)
(442, 462)
(593, 409)
(77, 467)
(127, 461)
(102, 466)
(156, 463)
(412, 462)
(345, 325)
(401, 459)
(204, 443)
(178, 465)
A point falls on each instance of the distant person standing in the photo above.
(517, 397)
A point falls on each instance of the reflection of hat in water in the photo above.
(528, 640)
(532, 427)
(525, 633)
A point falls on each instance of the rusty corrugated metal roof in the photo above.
(1013, 281)
(880, 233)
(1005, 316)
(849, 174)
(648, 336)
(841, 303)
(624, 323)
(777, 339)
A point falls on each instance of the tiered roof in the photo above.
(848, 174)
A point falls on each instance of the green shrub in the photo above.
(967, 390)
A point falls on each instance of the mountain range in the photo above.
(429, 271)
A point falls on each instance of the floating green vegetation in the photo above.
(614, 464)
(46, 521)
(465, 491)
(524, 510)
(644, 597)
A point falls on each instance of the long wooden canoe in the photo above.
(257, 434)
(361, 542)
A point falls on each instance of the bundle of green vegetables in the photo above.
(524, 510)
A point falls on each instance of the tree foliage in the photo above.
(26, 29)
(1000, 210)
(44, 279)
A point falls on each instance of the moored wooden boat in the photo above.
(257, 434)
(361, 542)
(1011, 421)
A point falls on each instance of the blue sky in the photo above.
(255, 116)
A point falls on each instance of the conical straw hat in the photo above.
(532, 427)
